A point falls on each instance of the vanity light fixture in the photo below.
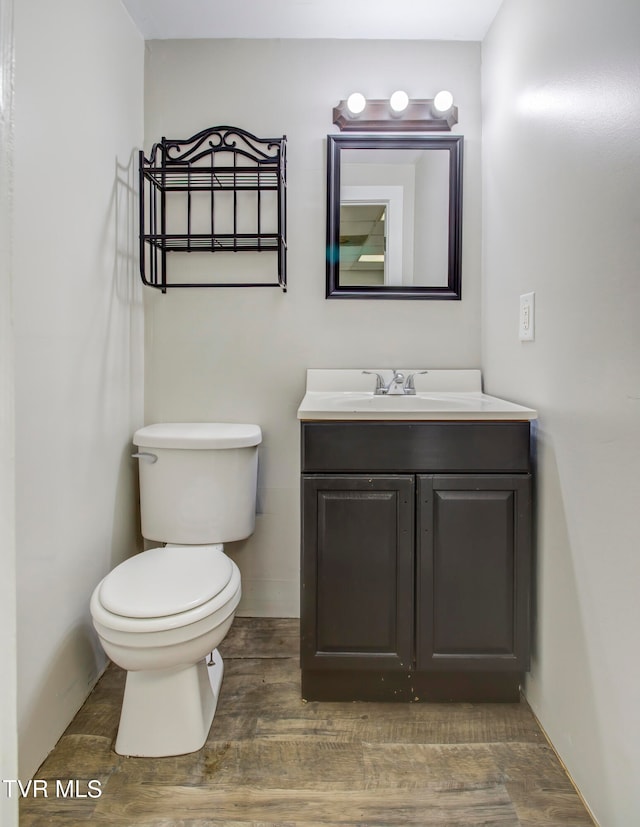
(398, 114)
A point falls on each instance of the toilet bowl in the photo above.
(159, 613)
(158, 619)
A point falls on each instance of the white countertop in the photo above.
(440, 395)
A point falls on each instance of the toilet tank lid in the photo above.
(198, 435)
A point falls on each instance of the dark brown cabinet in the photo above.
(415, 584)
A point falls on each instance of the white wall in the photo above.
(8, 693)
(78, 341)
(241, 354)
(561, 215)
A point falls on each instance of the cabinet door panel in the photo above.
(474, 575)
(357, 589)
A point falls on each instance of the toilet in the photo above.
(161, 614)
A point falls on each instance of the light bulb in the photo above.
(399, 101)
(443, 101)
(356, 102)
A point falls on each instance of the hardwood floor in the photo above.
(272, 760)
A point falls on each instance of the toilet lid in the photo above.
(166, 581)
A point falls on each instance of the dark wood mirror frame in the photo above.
(453, 144)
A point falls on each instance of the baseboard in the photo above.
(563, 765)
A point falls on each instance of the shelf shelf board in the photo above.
(211, 178)
(212, 244)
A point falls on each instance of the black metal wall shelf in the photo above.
(245, 178)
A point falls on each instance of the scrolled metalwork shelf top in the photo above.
(202, 147)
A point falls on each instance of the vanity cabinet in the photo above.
(416, 558)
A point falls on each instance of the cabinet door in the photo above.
(474, 561)
(357, 571)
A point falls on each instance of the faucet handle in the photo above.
(409, 385)
(380, 386)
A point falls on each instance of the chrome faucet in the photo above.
(397, 385)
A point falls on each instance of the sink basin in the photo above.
(450, 395)
(358, 401)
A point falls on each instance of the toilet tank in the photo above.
(198, 481)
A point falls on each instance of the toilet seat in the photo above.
(165, 581)
(213, 573)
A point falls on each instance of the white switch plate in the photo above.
(527, 317)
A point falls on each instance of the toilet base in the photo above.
(169, 711)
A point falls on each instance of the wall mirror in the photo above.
(394, 216)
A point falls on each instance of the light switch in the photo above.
(527, 317)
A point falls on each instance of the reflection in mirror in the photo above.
(394, 216)
(363, 243)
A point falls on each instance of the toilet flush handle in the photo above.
(146, 456)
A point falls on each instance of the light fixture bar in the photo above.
(377, 116)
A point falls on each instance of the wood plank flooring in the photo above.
(272, 760)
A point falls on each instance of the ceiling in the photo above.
(357, 19)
